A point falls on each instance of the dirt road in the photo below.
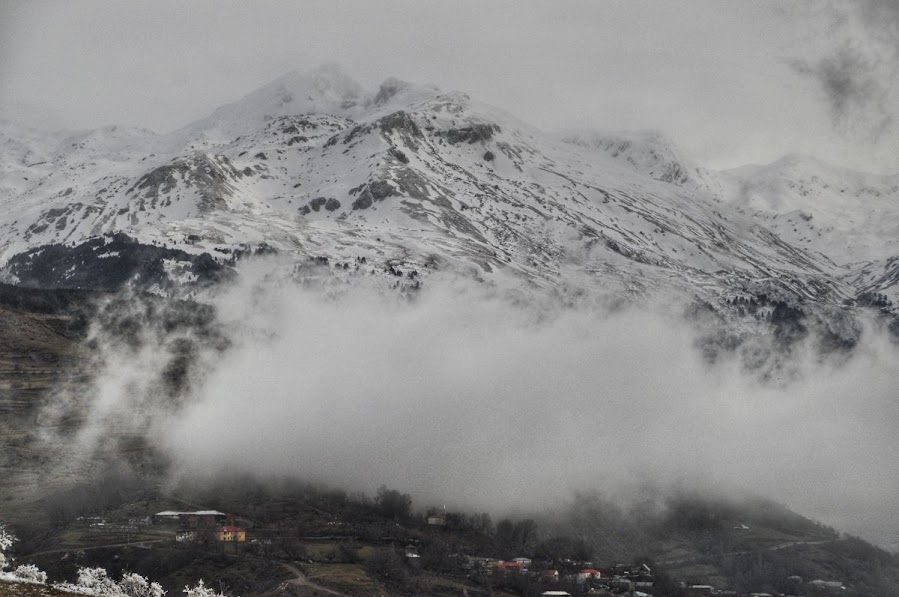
(299, 580)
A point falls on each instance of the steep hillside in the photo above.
(41, 348)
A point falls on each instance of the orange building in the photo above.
(231, 534)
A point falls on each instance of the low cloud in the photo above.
(460, 395)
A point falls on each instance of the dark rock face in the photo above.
(471, 134)
(212, 176)
(354, 135)
(399, 121)
(380, 190)
(403, 125)
(377, 190)
(399, 155)
(364, 201)
(162, 179)
(60, 218)
(36, 229)
(330, 204)
(674, 173)
(108, 263)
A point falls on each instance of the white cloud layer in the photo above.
(462, 397)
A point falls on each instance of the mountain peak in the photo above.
(327, 81)
(326, 89)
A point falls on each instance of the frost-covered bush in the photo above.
(6, 541)
(201, 590)
(135, 585)
(91, 581)
(30, 573)
(98, 582)
(26, 573)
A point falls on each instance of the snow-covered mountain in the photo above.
(405, 180)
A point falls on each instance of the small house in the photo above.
(550, 575)
(185, 536)
(437, 520)
(231, 534)
(525, 562)
(588, 574)
(509, 567)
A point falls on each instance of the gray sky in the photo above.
(730, 82)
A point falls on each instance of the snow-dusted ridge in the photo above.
(407, 176)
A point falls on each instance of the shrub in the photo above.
(30, 573)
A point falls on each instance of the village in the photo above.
(395, 554)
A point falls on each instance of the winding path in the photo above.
(300, 580)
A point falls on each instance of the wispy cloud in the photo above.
(855, 75)
(854, 90)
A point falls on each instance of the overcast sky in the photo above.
(731, 82)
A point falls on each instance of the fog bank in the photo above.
(459, 396)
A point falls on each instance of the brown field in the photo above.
(22, 590)
(347, 578)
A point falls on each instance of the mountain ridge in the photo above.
(315, 167)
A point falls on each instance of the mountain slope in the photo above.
(410, 178)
